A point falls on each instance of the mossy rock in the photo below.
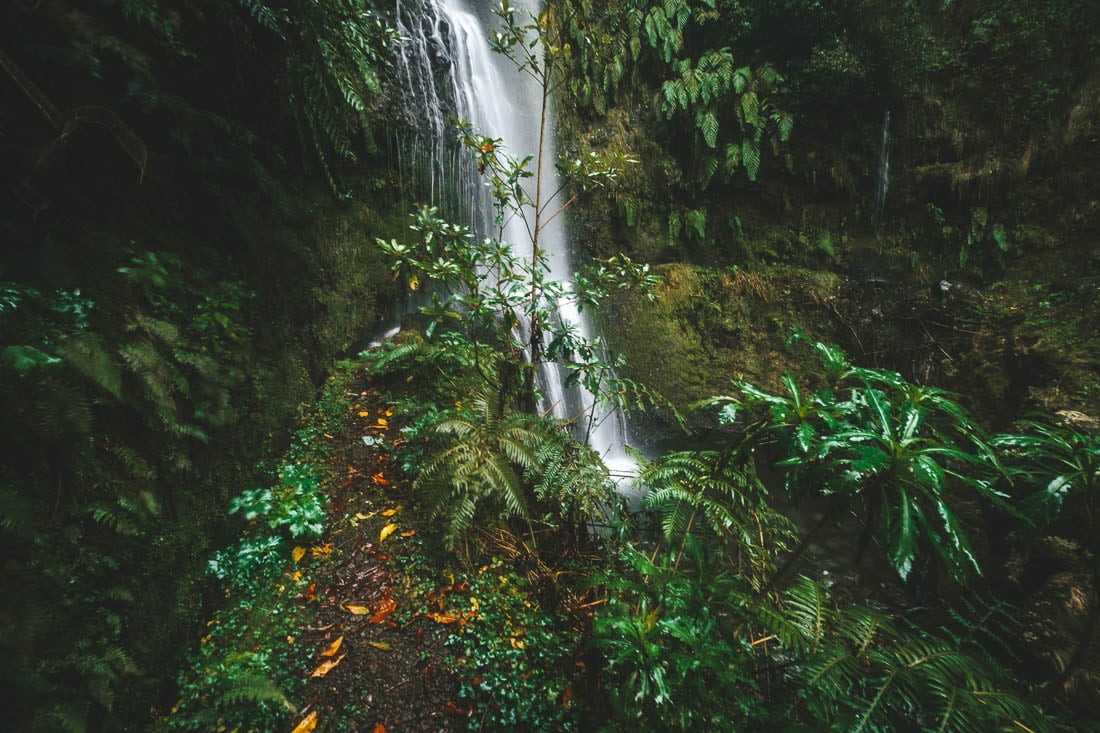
(701, 329)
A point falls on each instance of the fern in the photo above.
(861, 667)
(481, 463)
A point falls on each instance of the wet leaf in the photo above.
(307, 724)
(379, 479)
(298, 553)
(443, 618)
(319, 550)
(358, 610)
(389, 512)
(409, 533)
(380, 645)
(326, 667)
(333, 647)
(389, 529)
(364, 413)
(382, 611)
(379, 728)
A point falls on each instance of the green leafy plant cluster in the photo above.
(246, 666)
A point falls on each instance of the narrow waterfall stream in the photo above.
(450, 71)
(882, 178)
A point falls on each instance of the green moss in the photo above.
(704, 329)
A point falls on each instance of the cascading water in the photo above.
(449, 71)
(882, 181)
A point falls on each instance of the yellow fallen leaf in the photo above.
(327, 435)
(389, 412)
(364, 413)
(319, 550)
(361, 516)
(389, 529)
(389, 512)
(380, 645)
(308, 723)
(409, 533)
(298, 553)
(379, 479)
(358, 610)
(297, 576)
(333, 647)
(443, 618)
(328, 666)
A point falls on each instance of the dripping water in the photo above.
(882, 180)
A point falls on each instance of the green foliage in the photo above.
(517, 661)
(245, 667)
(708, 495)
(684, 51)
(1059, 461)
(481, 463)
(687, 646)
(901, 450)
(863, 671)
(672, 663)
(337, 52)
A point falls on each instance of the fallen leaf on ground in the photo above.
(298, 553)
(380, 645)
(333, 647)
(364, 413)
(389, 529)
(379, 479)
(358, 610)
(389, 512)
(319, 550)
(328, 666)
(379, 728)
(382, 611)
(308, 723)
(443, 618)
(409, 533)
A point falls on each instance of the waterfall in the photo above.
(448, 70)
(882, 181)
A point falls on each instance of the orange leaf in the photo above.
(443, 618)
(328, 666)
(379, 479)
(410, 533)
(389, 512)
(379, 728)
(389, 529)
(364, 413)
(382, 611)
(308, 723)
(357, 610)
(298, 553)
(319, 550)
(333, 647)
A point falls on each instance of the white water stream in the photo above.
(449, 71)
